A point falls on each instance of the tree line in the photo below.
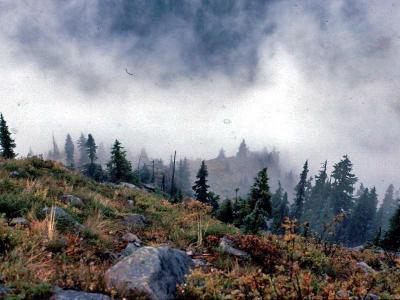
(318, 202)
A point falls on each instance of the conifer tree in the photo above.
(83, 156)
(259, 203)
(342, 186)
(392, 237)
(225, 211)
(91, 149)
(69, 151)
(56, 154)
(102, 154)
(359, 229)
(200, 187)
(298, 204)
(183, 178)
(6, 142)
(119, 168)
(386, 210)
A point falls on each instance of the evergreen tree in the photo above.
(314, 208)
(386, 210)
(56, 155)
(183, 178)
(392, 237)
(119, 168)
(6, 142)
(200, 186)
(91, 148)
(145, 174)
(225, 211)
(102, 154)
(243, 151)
(298, 204)
(361, 222)
(280, 208)
(83, 155)
(69, 151)
(259, 203)
(342, 186)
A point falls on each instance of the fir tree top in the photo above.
(6, 142)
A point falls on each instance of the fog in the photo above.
(314, 79)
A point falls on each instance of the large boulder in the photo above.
(366, 268)
(154, 272)
(226, 245)
(60, 294)
(72, 200)
(135, 221)
(19, 221)
(64, 220)
(128, 185)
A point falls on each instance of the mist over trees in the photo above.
(254, 204)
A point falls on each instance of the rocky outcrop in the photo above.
(72, 200)
(60, 294)
(19, 221)
(64, 220)
(154, 272)
(226, 245)
(365, 267)
(135, 221)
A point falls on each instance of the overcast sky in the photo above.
(315, 79)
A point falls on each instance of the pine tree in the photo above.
(102, 154)
(91, 149)
(280, 208)
(69, 151)
(392, 237)
(359, 229)
(259, 203)
(243, 151)
(183, 178)
(342, 186)
(56, 154)
(298, 204)
(386, 210)
(6, 142)
(83, 156)
(200, 186)
(225, 211)
(119, 168)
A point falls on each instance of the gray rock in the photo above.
(154, 272)
(371, 296)
(135, 220)
(131, 203)
(72, 200)
(226, 245)
(199, 262)
(4, 290)
(14, 174)
(60, 294)
(128, 185)
(131, 238)
(19, 221)
(64, 219)
(130, 249)
(366, 268)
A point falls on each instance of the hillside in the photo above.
(62, 234)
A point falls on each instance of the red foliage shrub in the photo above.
(260, 250)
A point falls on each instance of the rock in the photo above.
(131, 238)
(60, 294)
(199, 262)
(131, 203)
(371, 296)
(64, 219)
(130, 249)
(4, 291)
(226, 245)
(154, 272)
(72, 200)
(367, 269)
(135, 220)
(14, 174)
(19, 221)
(128, 185)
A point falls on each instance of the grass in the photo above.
(35, 258)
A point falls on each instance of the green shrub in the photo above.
(16, 205)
